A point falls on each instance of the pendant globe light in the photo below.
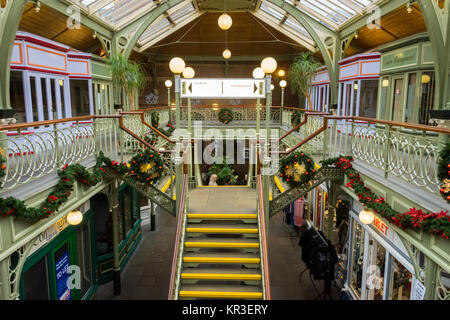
(226, 54)
(177, 65)
(258, 73)
(225, 21)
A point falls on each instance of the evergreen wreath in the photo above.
(436, 223)
(444, 171)
(296, 119)
(146, 166)
(226, 116)
(297, 169)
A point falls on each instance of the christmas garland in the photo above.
(435, 223)
(444, 171)
(297, 169)
(69, 174)
(152, 137)
(226, 115)
(296, 119)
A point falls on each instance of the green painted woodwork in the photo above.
(401, 58)
(100, 69)
(9, 23)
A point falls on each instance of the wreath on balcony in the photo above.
(444, 171)
(297, 169)
(225, 116)
(296, 119)
(146, 166)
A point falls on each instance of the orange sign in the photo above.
(380, 225)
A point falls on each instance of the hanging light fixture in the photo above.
(225, 21)
(366, 216)
(408, 7)
(74, 218)
(425, 79)
(281, 73)
(283, 83)
(168, 84)
(226, 54)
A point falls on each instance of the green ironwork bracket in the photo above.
(327, 40)
(287, 197)
(126, 38)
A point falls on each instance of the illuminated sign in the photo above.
(222, 88)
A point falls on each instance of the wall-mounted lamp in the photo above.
(385, 83)
(425, 79)
(408, 7)
(74, 218)
(366, 216)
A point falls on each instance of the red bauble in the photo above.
(442, 190)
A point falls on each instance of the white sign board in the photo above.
(222, 88)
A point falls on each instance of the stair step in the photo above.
(222, 257)
(222, 243)
(222, 228)
(220, 291)
(220, 274)
(221, 216)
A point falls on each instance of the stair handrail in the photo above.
(312, 113)
(301, 143)
(179, 243)
(263, 242)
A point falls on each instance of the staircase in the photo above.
(221, 257)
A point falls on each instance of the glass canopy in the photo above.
(333, 14)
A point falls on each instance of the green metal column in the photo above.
(282, 98)
(168, 104)
(114, 210)
(5, 292)
(268, 106)
(178, 159)
(258, 117)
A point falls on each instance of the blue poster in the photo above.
(62, 276)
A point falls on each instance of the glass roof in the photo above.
(119, 13)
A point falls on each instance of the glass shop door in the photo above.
(375, 270)
(397, 101)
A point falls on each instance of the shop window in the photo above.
(357, 258)
(368, 99)
(375, 270)
(401, 281)
(85, 256)
(410, 112)
(35, 282)
(79, 93)
(17, 96)
(427, 96)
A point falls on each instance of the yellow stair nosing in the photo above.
(222, 230)
(219, 294)
(221, 276)
(221, 244)
(220, 216)
(220, 260)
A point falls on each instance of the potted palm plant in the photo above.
(128, 75)
(301, 73)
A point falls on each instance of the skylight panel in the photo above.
(182, 12)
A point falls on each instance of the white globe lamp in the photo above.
(168, 84)
(177, 65)
(74, 218)
(188, 73)
(258, 73)
(226, 54)
(225, 22)
(366, 216)
(269, 65)
(283, 83)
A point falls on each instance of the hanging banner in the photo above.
(222, 88)
(62, 276)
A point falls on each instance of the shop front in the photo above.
(69, 262)
(378, 265)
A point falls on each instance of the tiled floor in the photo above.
(147, 274)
